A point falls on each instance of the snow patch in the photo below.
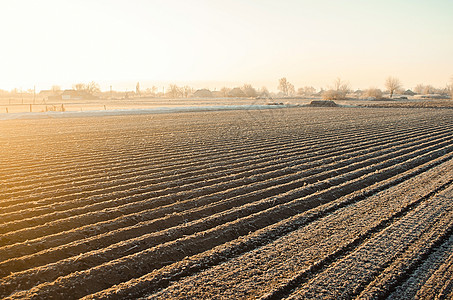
(135, 111)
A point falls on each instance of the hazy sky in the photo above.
(211, 42)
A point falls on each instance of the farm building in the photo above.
(236, 92)
(76, 95)
(49, 95)
(203, 93)
(218, 94)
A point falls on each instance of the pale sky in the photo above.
(211, 43)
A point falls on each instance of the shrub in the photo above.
(334, 94)
(373, 93)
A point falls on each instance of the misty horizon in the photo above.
(161, 86)
(211, 44)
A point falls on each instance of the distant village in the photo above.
(172, 92)
(92, 91)
(338, 91)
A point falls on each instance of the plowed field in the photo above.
(293, 203)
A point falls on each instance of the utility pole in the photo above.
(137, 89)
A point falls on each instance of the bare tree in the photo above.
(306, 91)
(447, 90)
(392, 84)
(249, 90)
(56, 89)
(425, 89)
(93, 88)
(338, 92)
(90, 88)
(186, 91)
(429, 89)
(79, 86)
(264, 93)
(225, 91)
(152, 91)
(341, 86)
(137, 89)
(450, 88)
(174, 91)
(291, 90)
(419, 88)
(284, 85)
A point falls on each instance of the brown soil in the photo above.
(140, 206)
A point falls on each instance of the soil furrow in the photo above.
(203, 170)
(157, 257)
(412, 283)
(238, 204)
(161, 175)
(57, 226)
(62, 167)
(192, 265)
(430, 222)
(185, 216)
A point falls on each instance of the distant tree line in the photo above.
(339, 90)
(245, 91)
(92, 87)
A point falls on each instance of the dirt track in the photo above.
(298, 203)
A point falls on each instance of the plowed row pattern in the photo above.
(288, 203)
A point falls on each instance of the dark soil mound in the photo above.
(323, 103)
